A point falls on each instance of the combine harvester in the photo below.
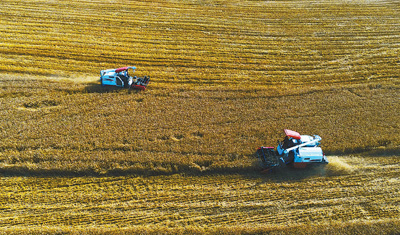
(295, 150)
(121, 78)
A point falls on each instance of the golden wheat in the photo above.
(227, 77)
(241, 203)
(223, 42)
(76, 128)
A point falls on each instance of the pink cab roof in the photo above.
(293, 134)
(124, 68)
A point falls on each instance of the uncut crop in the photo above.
(66, 128)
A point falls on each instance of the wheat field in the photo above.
(245, 43)
(353, 195)
(226, 78)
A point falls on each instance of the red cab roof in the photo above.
(124, 68)
(293, 134)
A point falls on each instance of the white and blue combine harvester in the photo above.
(295, 150)
(121, 77)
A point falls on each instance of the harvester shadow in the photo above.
(289, 174)
(97, 88)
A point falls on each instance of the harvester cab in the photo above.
(296, 150)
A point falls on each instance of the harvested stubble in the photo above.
(365, 201)
(213, 42)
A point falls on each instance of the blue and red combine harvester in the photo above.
(295, 150)
(121, 77)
